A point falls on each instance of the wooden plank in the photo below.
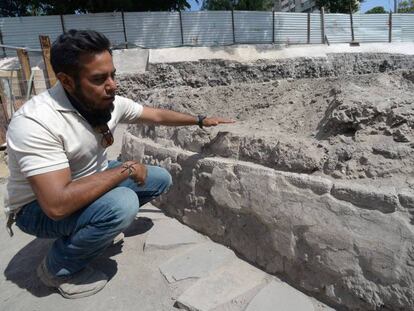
(4, 116)
(45, 45)
(17, 104)
(8, 73)
(3, 129)
(4, 103)
(25, 69)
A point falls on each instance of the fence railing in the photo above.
(211, 28)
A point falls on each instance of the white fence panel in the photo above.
(207, 28)
(153, 29)
(315, 28)
(407, 27)
(110, 24)
(338, 28)
(25, 31)
(371, 27)
(253, 27)
(397, 27)
(291, 28)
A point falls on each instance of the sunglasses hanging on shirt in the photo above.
(107, 137)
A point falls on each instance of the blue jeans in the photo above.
(85, 234)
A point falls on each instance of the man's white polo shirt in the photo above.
(49, 134)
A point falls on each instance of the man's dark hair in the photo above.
(68, 47)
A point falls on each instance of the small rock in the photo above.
(400, 137)
(402, 134)
(363, 160)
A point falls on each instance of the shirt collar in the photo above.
(59, 98)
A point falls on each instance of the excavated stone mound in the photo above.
(314, 182)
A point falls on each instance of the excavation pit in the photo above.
(315, 180)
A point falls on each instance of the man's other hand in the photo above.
(136, 171)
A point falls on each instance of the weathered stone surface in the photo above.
(320, 241)
(197, 262)
(317, 184)
(280, 296)
(407, 198)
(230, 288)
(383, 199)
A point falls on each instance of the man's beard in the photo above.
(95, 117)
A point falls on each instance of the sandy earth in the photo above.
(342, 126)
(354, 128)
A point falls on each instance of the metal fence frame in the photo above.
(212, 28)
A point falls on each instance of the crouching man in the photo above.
(61, 184)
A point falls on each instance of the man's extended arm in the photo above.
(60, 197)
(172, 118)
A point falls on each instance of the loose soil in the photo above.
(308, 116)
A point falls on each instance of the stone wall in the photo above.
(348, 245)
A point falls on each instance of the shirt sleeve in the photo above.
(36, 149)
(129, 110)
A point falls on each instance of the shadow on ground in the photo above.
(21, 269)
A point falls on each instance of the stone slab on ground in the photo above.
(197, 262)
(229, 288)
(278, 296)
(170, 233)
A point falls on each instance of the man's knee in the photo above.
(162, 178)
(166, 180)
(122, 206)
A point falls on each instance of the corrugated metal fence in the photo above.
(211, 28)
